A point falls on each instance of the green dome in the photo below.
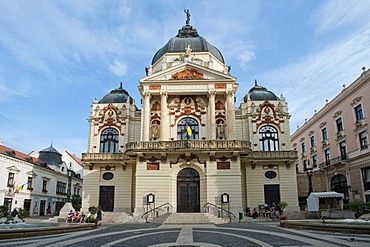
(260, 93)
(187, 35)
(118, 95)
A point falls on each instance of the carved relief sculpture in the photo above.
(187, 74)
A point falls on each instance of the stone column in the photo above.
(164, 117)
(230, 115)
(212, 116)
(146, 117)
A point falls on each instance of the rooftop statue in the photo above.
(187, 12)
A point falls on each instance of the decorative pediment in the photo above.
(187, 74)
(186, 71)
(31, 174)
(13, 169)
(322, 125)
(337, 114)
(356, 100)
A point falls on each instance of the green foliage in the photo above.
(3, 211)
(93, 210)
(283, 205)
(23, 213)
(356, 206)
(76, 201)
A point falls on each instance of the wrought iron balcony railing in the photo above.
(189, 145)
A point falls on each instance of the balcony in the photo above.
(335, 161)
(272, 155)
(183, 145)
(102, 157)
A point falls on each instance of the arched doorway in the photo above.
(339, 184)
(188, 199)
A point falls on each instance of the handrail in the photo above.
(227, 211)
(156, 208)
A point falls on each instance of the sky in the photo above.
(57, 56)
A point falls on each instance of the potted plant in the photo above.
(23, 213)
(357, 207)
(282, 206)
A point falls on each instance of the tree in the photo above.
(76, 202)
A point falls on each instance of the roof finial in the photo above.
(255, 82)
(187, 12)
(120, 86)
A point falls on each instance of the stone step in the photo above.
(193, 218)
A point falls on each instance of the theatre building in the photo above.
(188, 147)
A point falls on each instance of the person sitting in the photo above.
(83, 217)
(70, 215)
(255, 213)
(77, 217)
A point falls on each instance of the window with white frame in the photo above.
(109, 141)
(363, 139)
(11, 179)
(269, 140)
(358, 112)
(324, 132)
(327, 156)
(312, 140)
(339, 123)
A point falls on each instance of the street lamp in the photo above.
(69, 176)
(309, 173)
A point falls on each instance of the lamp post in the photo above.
(69, 176)
(309, 173)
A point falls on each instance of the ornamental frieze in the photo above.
(111, 116)
(337, 114)
(356, 100)
(187, 74)
(322, 124)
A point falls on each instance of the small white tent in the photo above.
(325, 201)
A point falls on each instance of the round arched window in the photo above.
(108, 176)
(270, 174)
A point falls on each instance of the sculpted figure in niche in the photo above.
(221, 130)
(155, 130)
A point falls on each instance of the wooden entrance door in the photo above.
(272, 193)
(106, 198)
(188, 199)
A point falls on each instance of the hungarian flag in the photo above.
(190, 132)
(20, 187)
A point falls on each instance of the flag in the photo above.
(20, 187)
(190, 132)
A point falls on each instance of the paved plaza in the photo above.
(234, 234)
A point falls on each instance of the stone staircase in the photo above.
(194, 218)
(116, 217)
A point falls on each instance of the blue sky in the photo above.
(57, 56)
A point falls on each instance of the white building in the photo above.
(31, 183)
(189, 145)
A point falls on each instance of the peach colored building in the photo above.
(333, 145)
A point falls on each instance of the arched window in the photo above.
(269, 139)
(109, 141)
(182, 129)
(339, 183)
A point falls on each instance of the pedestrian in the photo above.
(99, 215)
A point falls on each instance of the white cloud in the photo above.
(118, 68)
(245, 57)
(338, 13)
(320, 76)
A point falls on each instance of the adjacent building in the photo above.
(333, 149)
(37, 182)
(189, 147)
